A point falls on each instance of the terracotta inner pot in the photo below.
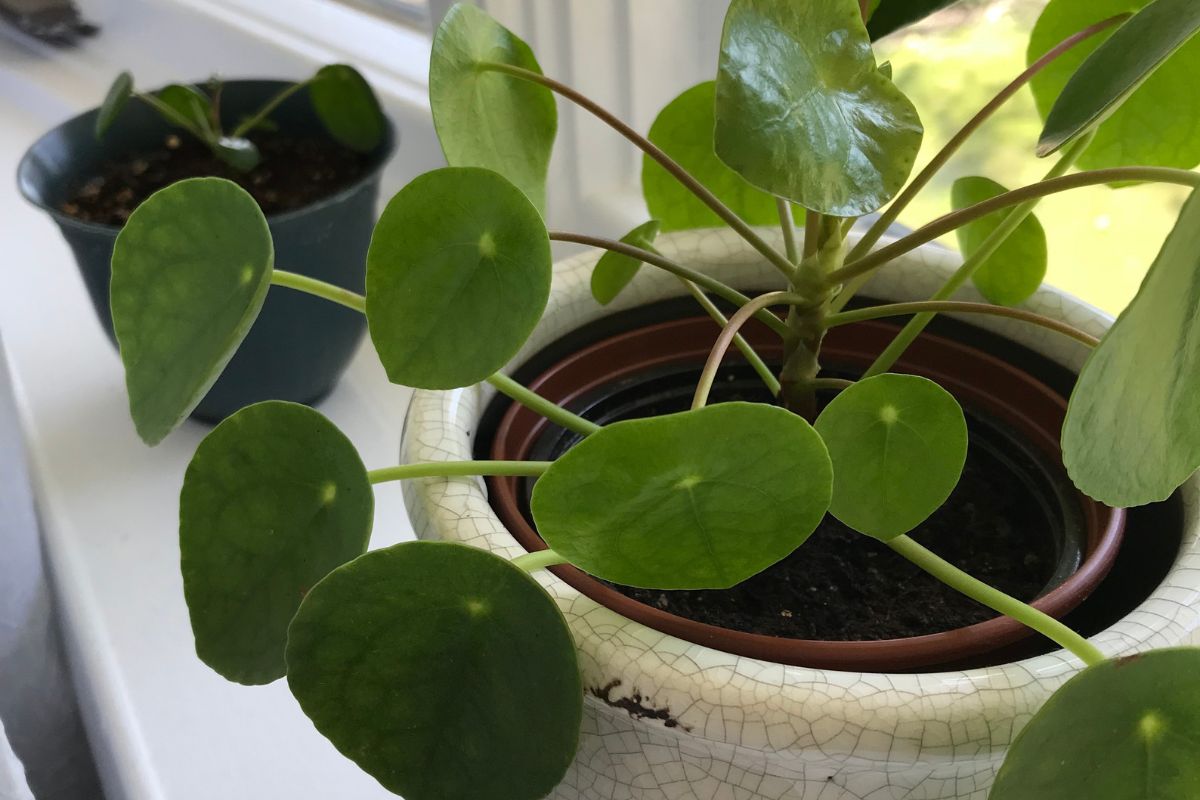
(981, 382)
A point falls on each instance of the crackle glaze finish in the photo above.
(754, 730)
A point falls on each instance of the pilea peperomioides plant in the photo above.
(447, 672)
(341, 97)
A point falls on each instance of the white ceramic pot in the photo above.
(755, 730)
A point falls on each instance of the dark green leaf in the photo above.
(803, 112)
(614, 271)
(347, 107)
(458, 275)
(1117, 68)
(190, 270)
(892, 15)
(114, 101)
(1120, 730)
(898, 444)
(1132, 434)
(274, 499)
(443, 671)
(484, 118)
(190, 107)
(239, 153)
(1159, 124)
(698, 500)
(1015, 271)
(684, 131)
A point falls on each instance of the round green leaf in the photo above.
(1015, 271)
(703, 499)
(190, 270)
(443, 671)
(239, 153)
(802, 111)
(684, 131)
(1132, 435)
(1159, 124)
(614, 271)
(274, 498)
(190, 107)
(114, 101)
(347, 107)
(1120, 730)
(898, 444)
(485, 118)
(458, 274)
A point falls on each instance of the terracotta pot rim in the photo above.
(886, 655)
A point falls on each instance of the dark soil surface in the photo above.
(294, 172)
(842, 586)
(998, 525)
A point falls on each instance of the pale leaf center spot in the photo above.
(328, 493)
(1150, 726)
(889, 414)
(477, 607)
(487, 245)
(246, 275)
(687, 481)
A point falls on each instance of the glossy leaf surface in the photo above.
(190, 270)
(1159, 124)
(239, 153)
(1120, 730)
(347, 107)
(803, 112)
(697, 500)
(684, 131)
(485, 118)
(443, 671)
(898, 444)
(273, 500)
(458, 274)
(1015, 271)
(614, 271)
(1132, 434)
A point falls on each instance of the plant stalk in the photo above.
(893, 211)
(452, 469)
(535, 402)
(249, 124)
(655, 152)
(657, 260)
(990, 245)
(327, 291)
(948, 223)
(721, 345)
(539, 559)
(788, 225)
(753, 358)
(959, 307)
(997, 600)
(823, 247)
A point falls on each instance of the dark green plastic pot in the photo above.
(300, 345)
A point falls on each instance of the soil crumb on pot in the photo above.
(295, 172)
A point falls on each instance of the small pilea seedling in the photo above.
(341, 97)
(447, 672)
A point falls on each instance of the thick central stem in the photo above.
(807, 324)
